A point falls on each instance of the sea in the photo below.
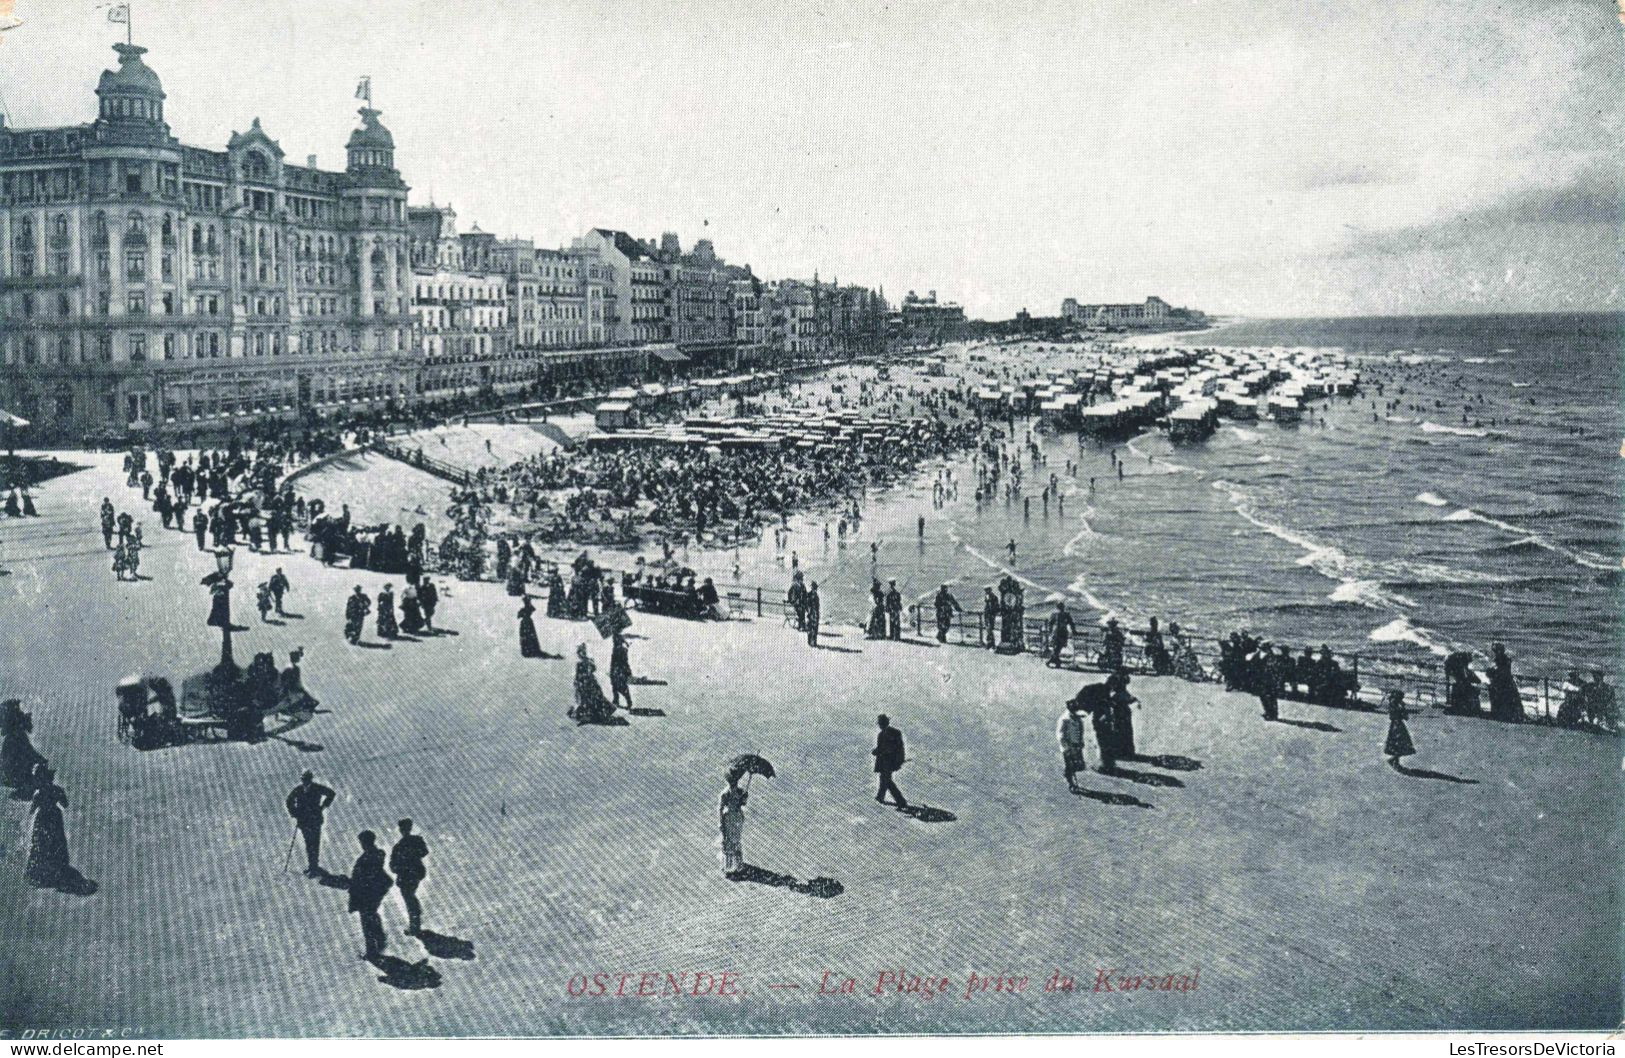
(1468, 494)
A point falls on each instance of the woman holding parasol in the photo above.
(731, 809)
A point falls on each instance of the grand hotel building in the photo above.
(145, 283)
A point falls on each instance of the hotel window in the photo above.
(64, 349)
(138, 348)
(104, 303)
(104, 348)
(30, 350)
(169, 304)
(166, 268)
(169, 347)
(135, 266)
(64, 307)
(138, 303)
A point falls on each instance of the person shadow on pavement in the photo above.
(823, 888)
(1110, 798)
(406, 976)
(1424, 773)
(445, 946)
(927, 814)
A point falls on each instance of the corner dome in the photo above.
(133, 77)
(371, 135)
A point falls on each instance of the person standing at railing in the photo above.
(946, 606)
(1506, 703)
(894, 611)
(1058, 632)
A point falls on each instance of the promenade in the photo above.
(1303, 883)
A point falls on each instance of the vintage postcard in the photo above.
(533, 519)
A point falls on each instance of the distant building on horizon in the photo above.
(1151, 313)
(927, 321)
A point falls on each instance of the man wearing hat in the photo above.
(894, 611)
(306, 803)
(369, 884)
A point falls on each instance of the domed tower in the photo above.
(375, 206)
(132, 97)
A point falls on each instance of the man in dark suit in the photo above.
(306, 803)
(889, 757)
(810, 612)
(369, 884)
(894, 611)
(406, 864)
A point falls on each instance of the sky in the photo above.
(1255, 158)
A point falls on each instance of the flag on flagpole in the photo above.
(363, 89)
(119, 13)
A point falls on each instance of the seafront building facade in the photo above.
(927, 321)
(151, 285)
(1153, 313)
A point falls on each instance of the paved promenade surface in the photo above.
(1308, 884)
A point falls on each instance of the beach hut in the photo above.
(615, 415)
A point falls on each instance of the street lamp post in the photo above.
(223, 559)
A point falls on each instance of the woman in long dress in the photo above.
(1506, 702)
(731, 813)
(877, 612)
(48, 864)
(387, 628)
(555, 594)
(590, 705)
(411, 611)
(18, 757)
(1399, 742)
(529, 645)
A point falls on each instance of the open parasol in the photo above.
(749, 764)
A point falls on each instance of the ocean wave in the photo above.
(1367, 593)
(1080, 588)
(1400, 419)
(1432, 499)
(1528, 539)
(1459, 431)
(1480, 360)
(1265, 457)
(1400, 630)
(1250, 436)
(1522, 385)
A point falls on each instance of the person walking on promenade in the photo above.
(49, 864)
(107, 522)
(387, 626)
(1059, 631)
(620, 672)
(406, 864)
(894, 611)
(529, 645)
(356, 609)
(369, 884)
(429, 599)
(279, 588)
(1162, 663)
(1069, 733)
(889, 758)
(200, 528)
(1398, 743)
(877, 612)
(946, 606)
(731, 817)
(307, 803)
(990, 618)
(411, 610)
(1266, 680)
(812, 612)
(1122, 715)
(1096, 700)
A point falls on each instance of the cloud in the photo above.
(1593, 199)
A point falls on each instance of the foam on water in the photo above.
(1459, 431)
(1400, 630)
(1250, 436)
(1578, 556)
(1432, 499)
